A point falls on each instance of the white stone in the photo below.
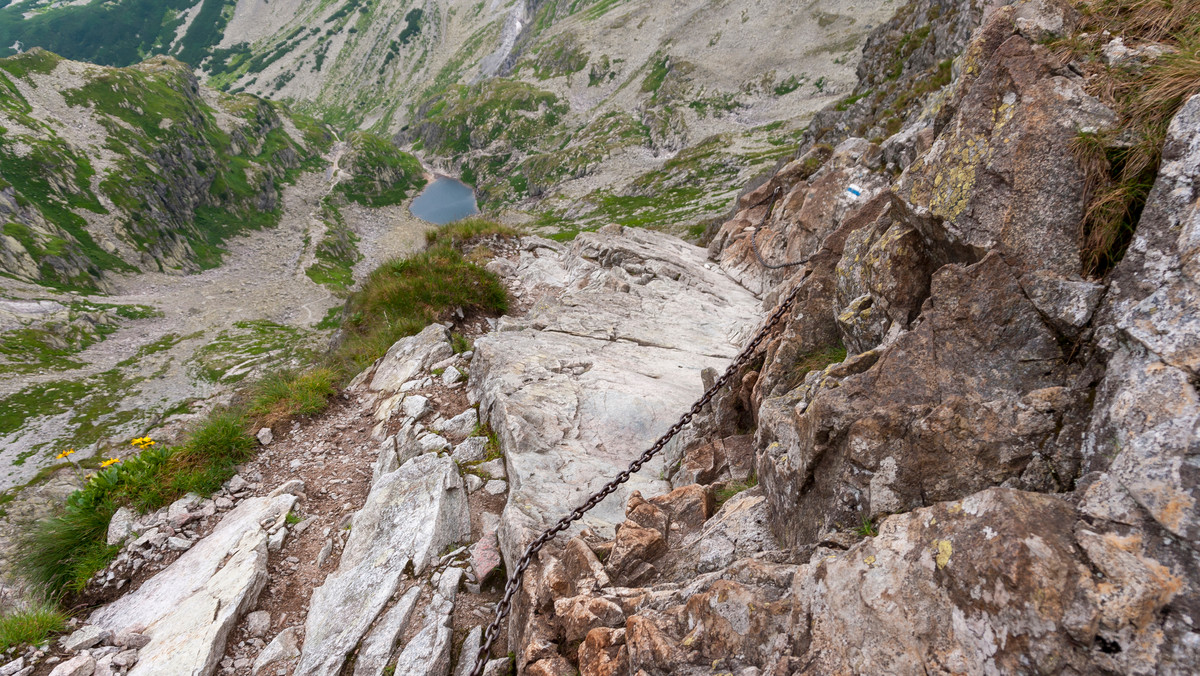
(258, 623)
(120, 526)
(12, 667)
(474, 483)
(80, 665)
(380, 643)
(473, 449)
(431, 443)
(411, 514)
(460, 425)
(179, 544)
(452, 375)
(265, 436)
(283, 648)
(470, 649)
(190, 607)
(85, 637)
(496, 487)
(416, 407)
(410, 356)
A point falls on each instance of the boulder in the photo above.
(258, 623)
(473, 449)
(469, 652)
(410, 516)
(80, 665)
(380, 643)
(410, 356)
(120, 526)
(281, 649)
(1001, 173)
(416, 407)
(429, 650)
(460, 425)
(189, 608)
(85, 637)
(980, 378)
(585, 382)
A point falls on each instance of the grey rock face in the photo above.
(409, 357)
(378, 645)
(189, 608)
(410, 515)
(281, 649)
(577, 389)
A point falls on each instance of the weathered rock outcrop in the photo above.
(601, 365)
(997, 474)
(411, 515)
(189, 609)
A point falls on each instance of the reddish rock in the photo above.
(603, 653)
(485, 558)
(634, 549)
(579, 615)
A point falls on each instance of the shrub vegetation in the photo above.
(399, 299)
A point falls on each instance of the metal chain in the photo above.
(517, 576)
(754, 240)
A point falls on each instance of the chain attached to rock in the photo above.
(518, 574)
(754, 240)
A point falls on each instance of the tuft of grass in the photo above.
(1121, 165)
(63, 552)
(403, 296)
(211, 454)
(292, 518)
(31, 626)
(815, 360)
(460, 343)
(464, 231)
(287, 394)
(732, 488)
(865, 528)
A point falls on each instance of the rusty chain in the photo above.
(517, 576)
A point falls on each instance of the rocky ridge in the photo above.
(958, 453)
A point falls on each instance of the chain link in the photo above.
(517, 576)
(754, 240)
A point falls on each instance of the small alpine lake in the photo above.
(445, 200)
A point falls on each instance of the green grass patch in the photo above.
(463, 231)
(816, 360)
(287, 394)
(31, 626)
(732, 488)
(403, 296)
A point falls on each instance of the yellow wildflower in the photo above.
(109, 463)
(64, 454)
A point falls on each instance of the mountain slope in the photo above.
(124, 169)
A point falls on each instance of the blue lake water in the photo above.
(445, 200)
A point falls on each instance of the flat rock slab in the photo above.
(189, 608)
(606, 362)
(411, 515)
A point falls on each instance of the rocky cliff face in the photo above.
(958, 453)
(118, 170)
